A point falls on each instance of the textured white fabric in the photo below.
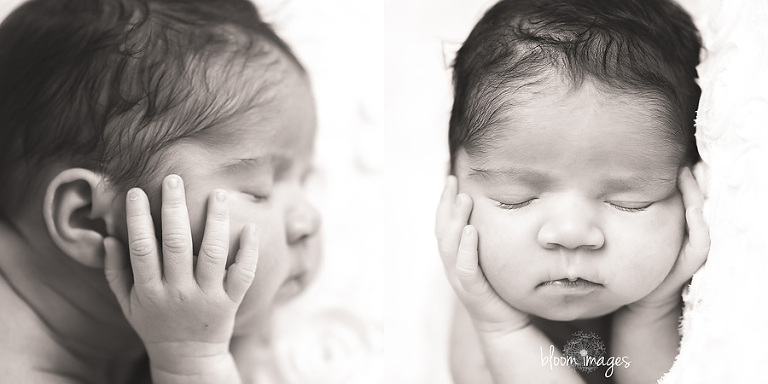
(723, 327)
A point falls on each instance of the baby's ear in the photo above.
(79, 213)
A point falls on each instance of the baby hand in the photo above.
(692, 254)
(457, 243)
(183, 311)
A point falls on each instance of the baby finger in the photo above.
(240, 275)
(212, 259)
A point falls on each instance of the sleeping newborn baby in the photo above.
(571, 204)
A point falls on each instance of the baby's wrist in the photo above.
(658, 305)
(651, 311)
(500, 339)
(501, 329)
(195, 370)
(188, 357)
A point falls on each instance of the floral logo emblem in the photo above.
(584, 351)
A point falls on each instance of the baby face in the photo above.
(575, 203)
(261, 158)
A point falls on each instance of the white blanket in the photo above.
(723, 327)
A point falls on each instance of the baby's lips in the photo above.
(308, 260)
(304, 270)
(573, 277)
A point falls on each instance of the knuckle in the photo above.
(135, 215)
(174, 203)
(247, 257)
(466, 248)
(701, 245)
(141, 246)
(705, 247)
(175, 242)
(173, 209)
(219, 217)
(445, 249)
(464, 272)
(178, 295)
(245, 275)
(112, 276)
(215, 251)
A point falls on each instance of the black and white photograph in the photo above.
(383, 191)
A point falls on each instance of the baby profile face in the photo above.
(261, 158)
(575, 201)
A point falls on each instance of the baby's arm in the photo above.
(183, 311)
(467, 362)
(646, 331)
(511, 345)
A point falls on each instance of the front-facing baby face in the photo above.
(261, 158)
(575, 202)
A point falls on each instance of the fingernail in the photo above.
(133, 195)
(467, 230)
(172, 181)
(221, 196)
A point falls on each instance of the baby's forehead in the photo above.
(234, 88)
(242, 79)
(551, 102)
(556, 125)
(276, 115)
(553, 87)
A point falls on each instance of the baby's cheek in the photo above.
(644, 274)
(652, 256)
(502, 256)
(489, 246)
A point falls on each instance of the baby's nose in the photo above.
(571, 235)
(302, 221)
(571, 228)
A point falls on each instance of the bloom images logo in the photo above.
(584, 352)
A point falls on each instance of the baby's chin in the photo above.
(556, 314)
(567, 311)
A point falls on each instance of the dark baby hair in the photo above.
(107, 85)
(648, 48)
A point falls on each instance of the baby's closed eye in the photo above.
(515, 203)
(260, 193)
(629, 206)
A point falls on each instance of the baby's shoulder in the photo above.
(19, 325)
(26, 347)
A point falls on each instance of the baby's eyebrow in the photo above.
(501, 174)
(241, 164)
(531, 177)
(640, 182)
(238, 165)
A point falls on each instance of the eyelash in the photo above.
(512, 206)
(259, 198)
(626, 209)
